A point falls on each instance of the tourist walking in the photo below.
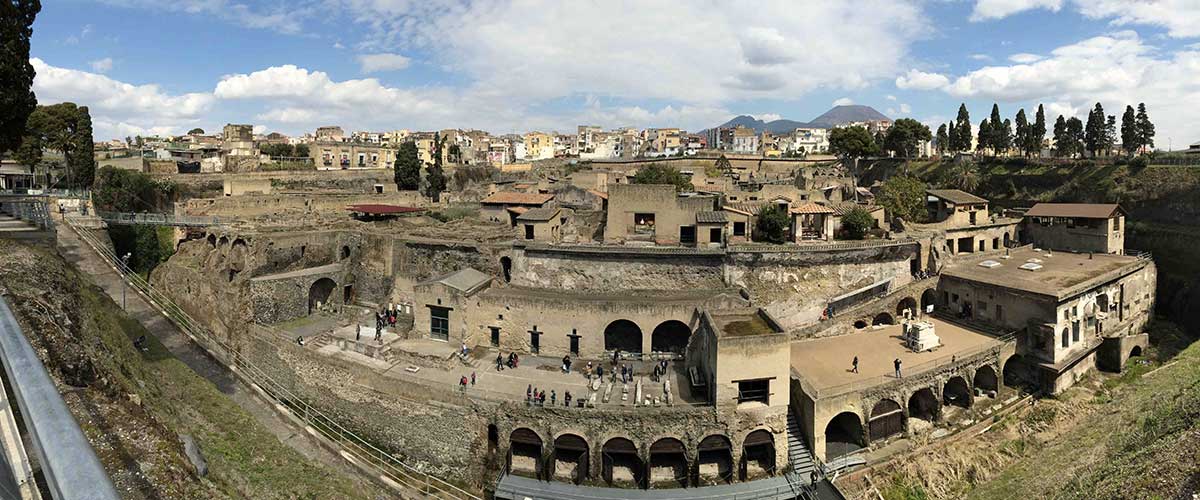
(553, 397)
(854, 365)
(499, 362)
(358, 332)
(462, 384)
(472, 379)
(566, 364)
(897, 364)
(567, 399)
(528, 392)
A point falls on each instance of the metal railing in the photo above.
(388, 465)
(31, 211)
(159, 219)
(68, 462)
(911, 371)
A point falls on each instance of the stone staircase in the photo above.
(798, 454)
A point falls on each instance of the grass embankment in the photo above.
(133, 403)
(1136, 435)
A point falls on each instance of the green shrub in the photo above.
(857, 223)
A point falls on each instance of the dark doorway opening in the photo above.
(985, 379)
(506, 267)
(956, 393)
(624, 335)
(525, 453)
(495, 335)
(883, 319)
(670, 336)
(715, 461)
(687, 235)
(570, 459)
(621, 465)
(668, 464)
(923, 405)
(319, 293)
(347, 294)
(758, 455)
(573, 339)
(843, 435)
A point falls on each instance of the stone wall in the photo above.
(605, 269)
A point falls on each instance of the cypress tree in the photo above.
(1037, 134)
(1021, 138)
(962, 126)
(1144, 127)
(1061, 145)
(1129, 131)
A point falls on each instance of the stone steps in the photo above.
(798, 453)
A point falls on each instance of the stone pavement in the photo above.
(509, 384)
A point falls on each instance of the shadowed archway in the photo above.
(887, 419)
(319, 293)
(624, 335)
(843, 435)
(670, 336)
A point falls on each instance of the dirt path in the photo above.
(75, 251)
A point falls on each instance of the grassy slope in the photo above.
(1143, 443)
(245, 460)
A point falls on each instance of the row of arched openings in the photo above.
(667, 463)
(844, 433)
(626, 336)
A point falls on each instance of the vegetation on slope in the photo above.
(132, 403)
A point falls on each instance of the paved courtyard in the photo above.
(825, 363)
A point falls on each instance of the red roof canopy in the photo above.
(383, 209)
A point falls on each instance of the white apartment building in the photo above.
(811, 140)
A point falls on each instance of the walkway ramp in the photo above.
(522, 488)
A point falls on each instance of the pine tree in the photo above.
(1110, 135)
(995, 130)
(1037, 134)
(1075, 135)
(962, 126)
(984, 139)
(1021, 138)
(1061, 146)
(435, 177)
(941, 139)
(1129, 131)
(1005, 137)
(17, 101)
(1093, 133)
(1144, 127)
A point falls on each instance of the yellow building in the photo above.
(539, 146)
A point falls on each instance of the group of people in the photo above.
(895, 363)
(383, 319)
(462, 382)
(512, 361)
(535, 397)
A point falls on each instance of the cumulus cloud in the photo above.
(769, 117)
(1116, 69)
(118, 106)
(1024, 58)
(920, 80)
(844, 101)
(996, 9)
(102, 65)
(1181, 18)
(374, 63)
(980, 57)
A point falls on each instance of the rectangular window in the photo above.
(739, 228)
(1075, 331)
(754, 391)
(529, 231)
(687, 235)
(1116, 224)
(439, 322)
(999, 313)
(1066, 338)
(714, 235)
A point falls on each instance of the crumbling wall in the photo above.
(616, 269)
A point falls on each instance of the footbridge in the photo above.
(161, 219)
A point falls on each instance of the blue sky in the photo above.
(145, 66)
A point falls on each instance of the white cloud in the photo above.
(903, 109)
(906, 109)
(1181, 18)
(577, 48)
(280, 18)
(118, 106)
(920, 80)
(997, 9)
(980, 57)
(845, 101)
(1116, 70)
(102, 65)
(1024, 58)
(891, 97)
(258, 129)
(769, 117)
(374, 63)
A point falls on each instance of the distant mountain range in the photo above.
(839, 115)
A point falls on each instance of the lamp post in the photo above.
(124, 270)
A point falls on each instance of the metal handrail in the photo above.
(161, 219)
(68, 461)
(389, 465)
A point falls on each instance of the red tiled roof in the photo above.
(383, 209)
(812, 208)
(512, 198)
